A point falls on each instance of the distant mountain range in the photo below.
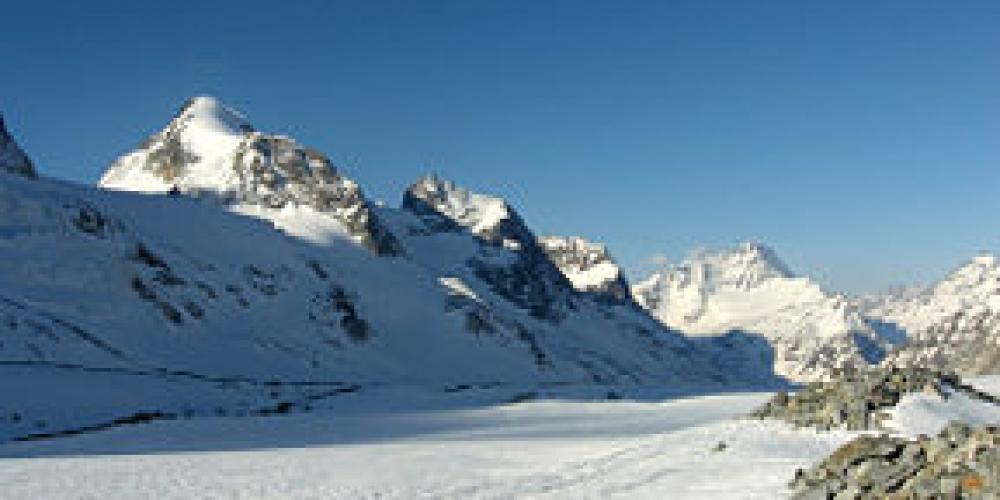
(218, 254)
(952, 325)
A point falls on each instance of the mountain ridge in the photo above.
(748, 288)
(213, 302)
(253, 259)
(953, 324)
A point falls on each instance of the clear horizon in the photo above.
(857, 140)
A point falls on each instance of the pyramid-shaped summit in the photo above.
(748, 288)
(488, 217)
(211, 150)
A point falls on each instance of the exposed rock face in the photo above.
(275, 171)
(961, 462)
(854, 400)
(504, 286)
(966, 343)
(952, 326)
(516, 266)
(456, 208)
(813, 332)
(12, 158)
(211, 150)
(589, 267)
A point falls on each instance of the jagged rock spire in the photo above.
(529, 278)
(588, 266)
(12, 157)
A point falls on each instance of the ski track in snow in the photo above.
(542, 449)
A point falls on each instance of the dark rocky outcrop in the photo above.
(275, 171)
(856, 399)
(516, 268)
(961, 462)
(210, 150)
(589, 267)
(12, 158)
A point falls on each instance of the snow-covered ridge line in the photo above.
(210, 150)
(488, 217)
(972, 288)
(748, 288)
(509, 259)
(239, 260)
(952, 325)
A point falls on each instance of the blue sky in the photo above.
(860, 139)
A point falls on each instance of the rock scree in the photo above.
(856, 400)
(961, 462)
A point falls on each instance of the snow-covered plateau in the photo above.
(559, 448)
(395, 443)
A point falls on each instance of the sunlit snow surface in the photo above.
(409, 443)
(920, 413)
(369, 446)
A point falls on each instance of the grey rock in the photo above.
(856, 399)
(575, 255)
(961, 462)
(513, 263)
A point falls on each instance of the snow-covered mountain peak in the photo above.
(12, 158)
(985, 259)
(477, 212)
(588, 252)
(193, 153)
(980, 276)
(210, 114)
(745, 266)
(972, 289)
(748, 288)
(488, 217)
(954, 324)
(750, 263)
(507, 253)
(211, 150)
(587, 265)
(681, 295)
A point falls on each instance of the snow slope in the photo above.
(952, 325)
(392, 443)
(919, 413)
(749, 289)
(254, 277)
(972, 288)
(545, 449)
